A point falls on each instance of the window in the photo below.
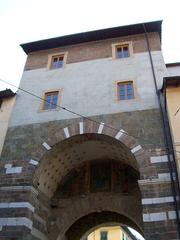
(57, 62)
(125, 91)
(103, 235)
(122, 51)
(1, 101)
(50, 100)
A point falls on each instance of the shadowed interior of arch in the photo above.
(70, 153)
(87, 174)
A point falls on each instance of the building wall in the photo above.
(113, 233)
(93, 50)
(5, 111)
(173, 71)
(173, 104)
(89, 88)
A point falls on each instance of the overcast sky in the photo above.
(23, 21)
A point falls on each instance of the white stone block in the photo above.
(146, 201)
(164, 176)
(101, 126)
(81, 127)
(8, 165)
(13, 170)
(4, 205)
(155, 217)
(66, 132)
(33, 162)
(135, 149)
(46, 146)
(171, 215)
(17, 205)
(159, 159)
(146, 217)
(19, 221)
(119, 134)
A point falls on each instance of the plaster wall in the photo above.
(5, 111)
(114, 232)
(89, 88)
(173, 71)
(173, 103)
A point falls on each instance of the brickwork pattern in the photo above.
(91, 51)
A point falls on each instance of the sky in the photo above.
(24, 21)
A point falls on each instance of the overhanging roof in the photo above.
(6, 93)
(92, 36)
(175, 64)
(171, 81)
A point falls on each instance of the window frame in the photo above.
(50, 92)
(56, 55)
(122, 45)
(125, 83)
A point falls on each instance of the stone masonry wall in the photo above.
(92, 50)
(26, 210)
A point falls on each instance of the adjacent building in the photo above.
(171, 92)
(111, 233)
(86, 144)
(7, 99)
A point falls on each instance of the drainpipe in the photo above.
(166, 133)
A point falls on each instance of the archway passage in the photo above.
(87, 174)
(87, 223)
(69, 153)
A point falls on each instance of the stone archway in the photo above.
(78, 144)
(96, 219)
(87, 129)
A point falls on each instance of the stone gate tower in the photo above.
(85, 144)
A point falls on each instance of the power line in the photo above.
(64, 108)
(68, 110)
(176, 112)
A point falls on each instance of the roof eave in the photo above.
(96, 35)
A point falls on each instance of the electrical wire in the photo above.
(177, 112)
(70, 111)
(64, 108)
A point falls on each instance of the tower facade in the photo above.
(85, 144)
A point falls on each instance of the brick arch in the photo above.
(93, 221)
(88, 128)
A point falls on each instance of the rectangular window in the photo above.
(125, 91)
(50, 100)
(1, 101)
(104, 235)
(122, 51)
(57, 62)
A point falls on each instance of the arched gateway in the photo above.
(89, 172)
